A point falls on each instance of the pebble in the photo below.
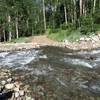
(3, 82)
(32, 99)
(28, 98)
(17, 84)
(21, 93)
(9, 86)
(9, 80)
(82, 39)
(16, 94)
(16, 89)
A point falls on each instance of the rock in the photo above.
(21, 93)
(17, 84)
(9, 86)
(66, 41)
(88, 39)
(40, 88)
(41, 93)
(16, 94)
(82, 39)
(26, 88)
(16, 89)
(28, 98)
(3, 74)
(93, 41)
(32, 99)
(95, 38)
(9, 80)
(3, 82)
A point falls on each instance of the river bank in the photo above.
(84, 43)
(11, 88)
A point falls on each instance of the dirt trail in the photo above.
(43, 40)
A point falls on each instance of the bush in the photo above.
(87, 25)
(65, 34)
(68, 26)
(53, 30)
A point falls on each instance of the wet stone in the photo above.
(21, 93)
(3, 82)
(9, 86)
(9, 80)
(28, 98)
(16, 89)
(16, 94)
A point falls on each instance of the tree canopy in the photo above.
(29, 17)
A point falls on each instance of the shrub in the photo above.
(69, 26)
(87, 25)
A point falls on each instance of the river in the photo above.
(61, 74)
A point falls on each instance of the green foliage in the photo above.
(31, 18)
(68, 26)
(20, 40)
(65, 34)
(87, 25)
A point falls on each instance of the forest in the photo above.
(19, 18)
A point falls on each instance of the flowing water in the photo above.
(56, 73)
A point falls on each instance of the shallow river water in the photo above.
(55, 73)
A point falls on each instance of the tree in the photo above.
(44, 17)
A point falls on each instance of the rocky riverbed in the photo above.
(11, 88)
(33, 71)
(50, 73)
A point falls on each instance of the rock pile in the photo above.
(10, 88)
(84, 43)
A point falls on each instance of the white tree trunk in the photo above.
(74, 17)
(17, 33)
(81, 7)
(84, 8)
(4, 36)
(94, 4)
(65, 14)
(44, 17)
(9, 21)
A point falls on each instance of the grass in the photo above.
(20, 40)
(65, 34)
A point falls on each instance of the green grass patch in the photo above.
(20, 40)
(65, 34)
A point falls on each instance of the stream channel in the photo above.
(61, 74)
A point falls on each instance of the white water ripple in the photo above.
(78, 62)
